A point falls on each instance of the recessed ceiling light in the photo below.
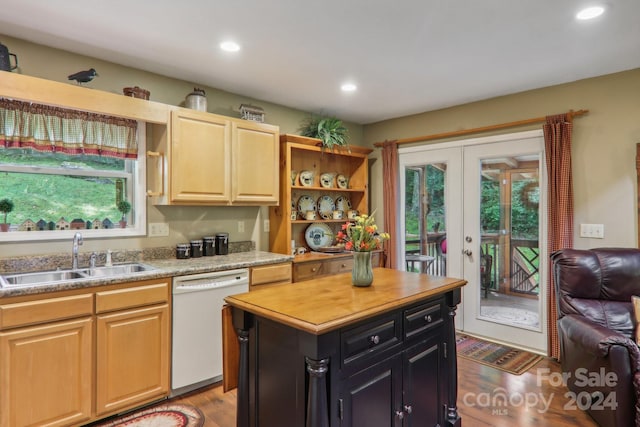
(230, 46)
(590, 13)
(348, 87)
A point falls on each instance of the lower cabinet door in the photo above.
(422, 383)
(132, 358)
(373, 397)
(45, 374)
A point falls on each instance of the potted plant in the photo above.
(124, 207)
(6, 206)
(330, 130)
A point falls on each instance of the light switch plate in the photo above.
(158, 229)
(593, 231)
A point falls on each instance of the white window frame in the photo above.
(135, 187)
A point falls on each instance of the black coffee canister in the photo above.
(183, 250)
(209, 246)
(222, 243)
(196, 248)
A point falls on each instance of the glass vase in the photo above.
(362, 273)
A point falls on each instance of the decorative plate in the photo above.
(306, 203)
(318, 235)
(343, 204)
(326, 207)
(342, 181)
(306, 178)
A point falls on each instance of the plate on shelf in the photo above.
(342, 181)
(306, 203)
(326, 207)
(318, 235)
(343, 204)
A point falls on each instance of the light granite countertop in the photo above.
(163, 268)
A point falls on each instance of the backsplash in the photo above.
(63, 261)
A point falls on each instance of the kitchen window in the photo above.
(68, 175)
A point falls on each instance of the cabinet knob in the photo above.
(344, 265)
(408, 409)
(313, 270)
(375, 339)
(428, 318)
(400, 414)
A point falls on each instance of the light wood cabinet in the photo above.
(200, 155)
(132, 358)
(46, 367)
(298, 153)
(58, 369)
(132, 347)
(270, 274)
(207, 159)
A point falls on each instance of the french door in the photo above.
(473, 209)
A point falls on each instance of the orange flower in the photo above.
(361, 234)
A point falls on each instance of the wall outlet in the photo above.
(593, 231)
(266, 226)
(158, 229)
(240, 226)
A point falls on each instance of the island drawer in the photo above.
(370, 339)
(422, 318)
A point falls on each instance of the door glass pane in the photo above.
(425, 239)
(509, 250)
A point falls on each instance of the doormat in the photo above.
(508, 359)
(166, 415)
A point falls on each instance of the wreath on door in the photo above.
(530, 195)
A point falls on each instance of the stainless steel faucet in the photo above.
(77, 241)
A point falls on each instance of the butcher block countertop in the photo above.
(328, 303)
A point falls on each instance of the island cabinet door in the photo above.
(423, 384)
(373, 397)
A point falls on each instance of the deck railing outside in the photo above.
(520, 275)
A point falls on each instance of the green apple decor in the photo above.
(6, 206)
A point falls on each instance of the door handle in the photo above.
(467, 252)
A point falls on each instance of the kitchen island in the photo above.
(324, 353)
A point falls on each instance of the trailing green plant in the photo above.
(330, 130)
(6, 206)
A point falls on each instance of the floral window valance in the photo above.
(54, 129)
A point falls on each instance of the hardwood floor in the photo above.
(530, 399)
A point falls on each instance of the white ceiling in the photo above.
(406, 56)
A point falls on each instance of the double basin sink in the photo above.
(54, 276)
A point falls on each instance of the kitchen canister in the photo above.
(196, 248)
(222, 243)
(209, 246)
(183, 250)
(196, 100)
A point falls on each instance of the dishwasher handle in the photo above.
(205, 281)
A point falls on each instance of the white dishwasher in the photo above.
(197, 326)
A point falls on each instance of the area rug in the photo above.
(166, 415)
(509, 359)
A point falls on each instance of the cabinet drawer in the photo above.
(46, 310)
(154, 293)
(369, 339)
(271, 274)
(422, 318)
(308, 270)
(342, 265)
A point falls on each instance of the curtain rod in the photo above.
(571, 115)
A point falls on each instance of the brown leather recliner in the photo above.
(596, 327)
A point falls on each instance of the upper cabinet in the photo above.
(207, 159)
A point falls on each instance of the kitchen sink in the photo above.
(42, 277)
(117, 270)
(49, 277)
